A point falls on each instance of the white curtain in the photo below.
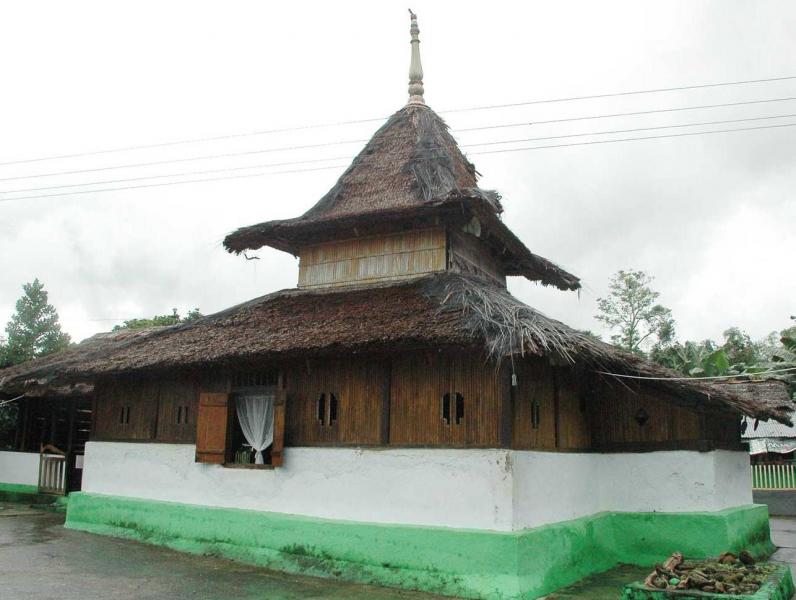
(256, 416)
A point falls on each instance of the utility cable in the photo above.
(291, 163)
(370, 120)
(653, 137)
(286, 148)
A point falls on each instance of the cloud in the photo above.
(711, 217)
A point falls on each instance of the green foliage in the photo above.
(631, 310)
(8, 423)
(161, 320)
(34, 329)
(785, 357)
(738, 355)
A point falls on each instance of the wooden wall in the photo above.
(548, 408)
(399, 401)
(418, 386)
(359, 387)
(619, 410)
(153, 406)
(370, 259)
(468, 255)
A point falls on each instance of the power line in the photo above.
(172, 161)
(151, 185)
(628, 114)
(768, 372)
(374, 119)
(328, 144)
(633, 139)
(570, 135)
(183, 174)
(291, 163)
(616, 94)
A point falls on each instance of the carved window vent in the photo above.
(456, 410)
(326, 412)
(642, 417)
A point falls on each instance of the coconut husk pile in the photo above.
(727, 574)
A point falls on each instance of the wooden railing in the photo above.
(774, 477)
(52, 471)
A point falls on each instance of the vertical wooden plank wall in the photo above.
(469, 255)
(370, 259)
(556, 396)
(358, 386)
(419, 382)
(153, 406)
(618, 406)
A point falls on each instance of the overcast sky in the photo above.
(711, 217)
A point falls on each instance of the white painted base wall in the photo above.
(19, 468)
(492, 489)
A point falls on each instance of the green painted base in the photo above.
(778, 587)
(460, 562)
(29, 494)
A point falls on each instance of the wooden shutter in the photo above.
(211, 427)
(279, 423)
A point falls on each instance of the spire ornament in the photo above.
(415, 67)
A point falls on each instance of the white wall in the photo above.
(19, 468)
(491, 489)
(550, 487)
(454, 488)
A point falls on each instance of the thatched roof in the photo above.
(438, 311)
(410, 173)
(52, 375)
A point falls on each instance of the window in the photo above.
(332, 409)
(182, 415)
(326, 413)
(252, 429)
(535, 419)
(124, 416)
(458, 408)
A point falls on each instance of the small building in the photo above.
(44, 452)
(768, 441)
(399, 417)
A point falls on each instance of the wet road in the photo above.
(40, 560)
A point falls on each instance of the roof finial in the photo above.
(415, 68)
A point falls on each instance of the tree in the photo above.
(34, 329)
(631, 310)
(161, 320)
(785, 357)
(741, 351)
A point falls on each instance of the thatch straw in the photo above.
(411, 173)
(439, 311)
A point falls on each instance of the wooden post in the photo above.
(278, 444)
(385, 403)
(556, 409)
(69, 437)
(507, 392)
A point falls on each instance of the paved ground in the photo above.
(603, 586)
(783, 534)
(608, 586)
(41, 560)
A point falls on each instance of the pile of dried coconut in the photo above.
(728, 574)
